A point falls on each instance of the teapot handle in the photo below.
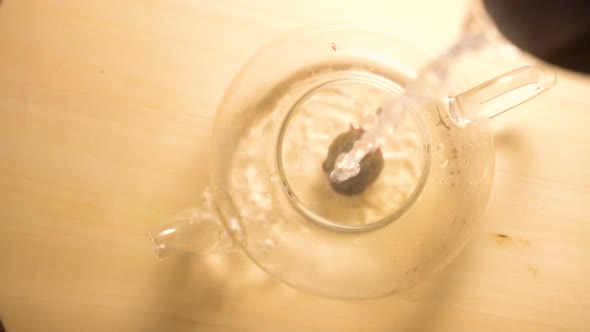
(197, 230)
(501, 93)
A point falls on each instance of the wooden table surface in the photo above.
(105, 113)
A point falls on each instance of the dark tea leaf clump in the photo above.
(370, 166)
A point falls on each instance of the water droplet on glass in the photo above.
(269, 243)
(250, 172)
(357, 241)
(274, 177)
(454, 151)
(234, 225)
(444, 163)
(207, 197)
(440, 147)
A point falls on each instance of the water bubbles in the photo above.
(346, 167)
(261, 200)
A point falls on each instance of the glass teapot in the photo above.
(269, 196)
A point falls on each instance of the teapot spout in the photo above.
(196, 230)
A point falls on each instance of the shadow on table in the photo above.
(228, 292)
(511, 149)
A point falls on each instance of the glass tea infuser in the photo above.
(349, 163)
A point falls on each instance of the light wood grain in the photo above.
(105, 113)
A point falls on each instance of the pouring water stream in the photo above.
(429, 84)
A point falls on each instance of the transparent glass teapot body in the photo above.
(269, 196)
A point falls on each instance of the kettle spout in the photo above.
(196, 230)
